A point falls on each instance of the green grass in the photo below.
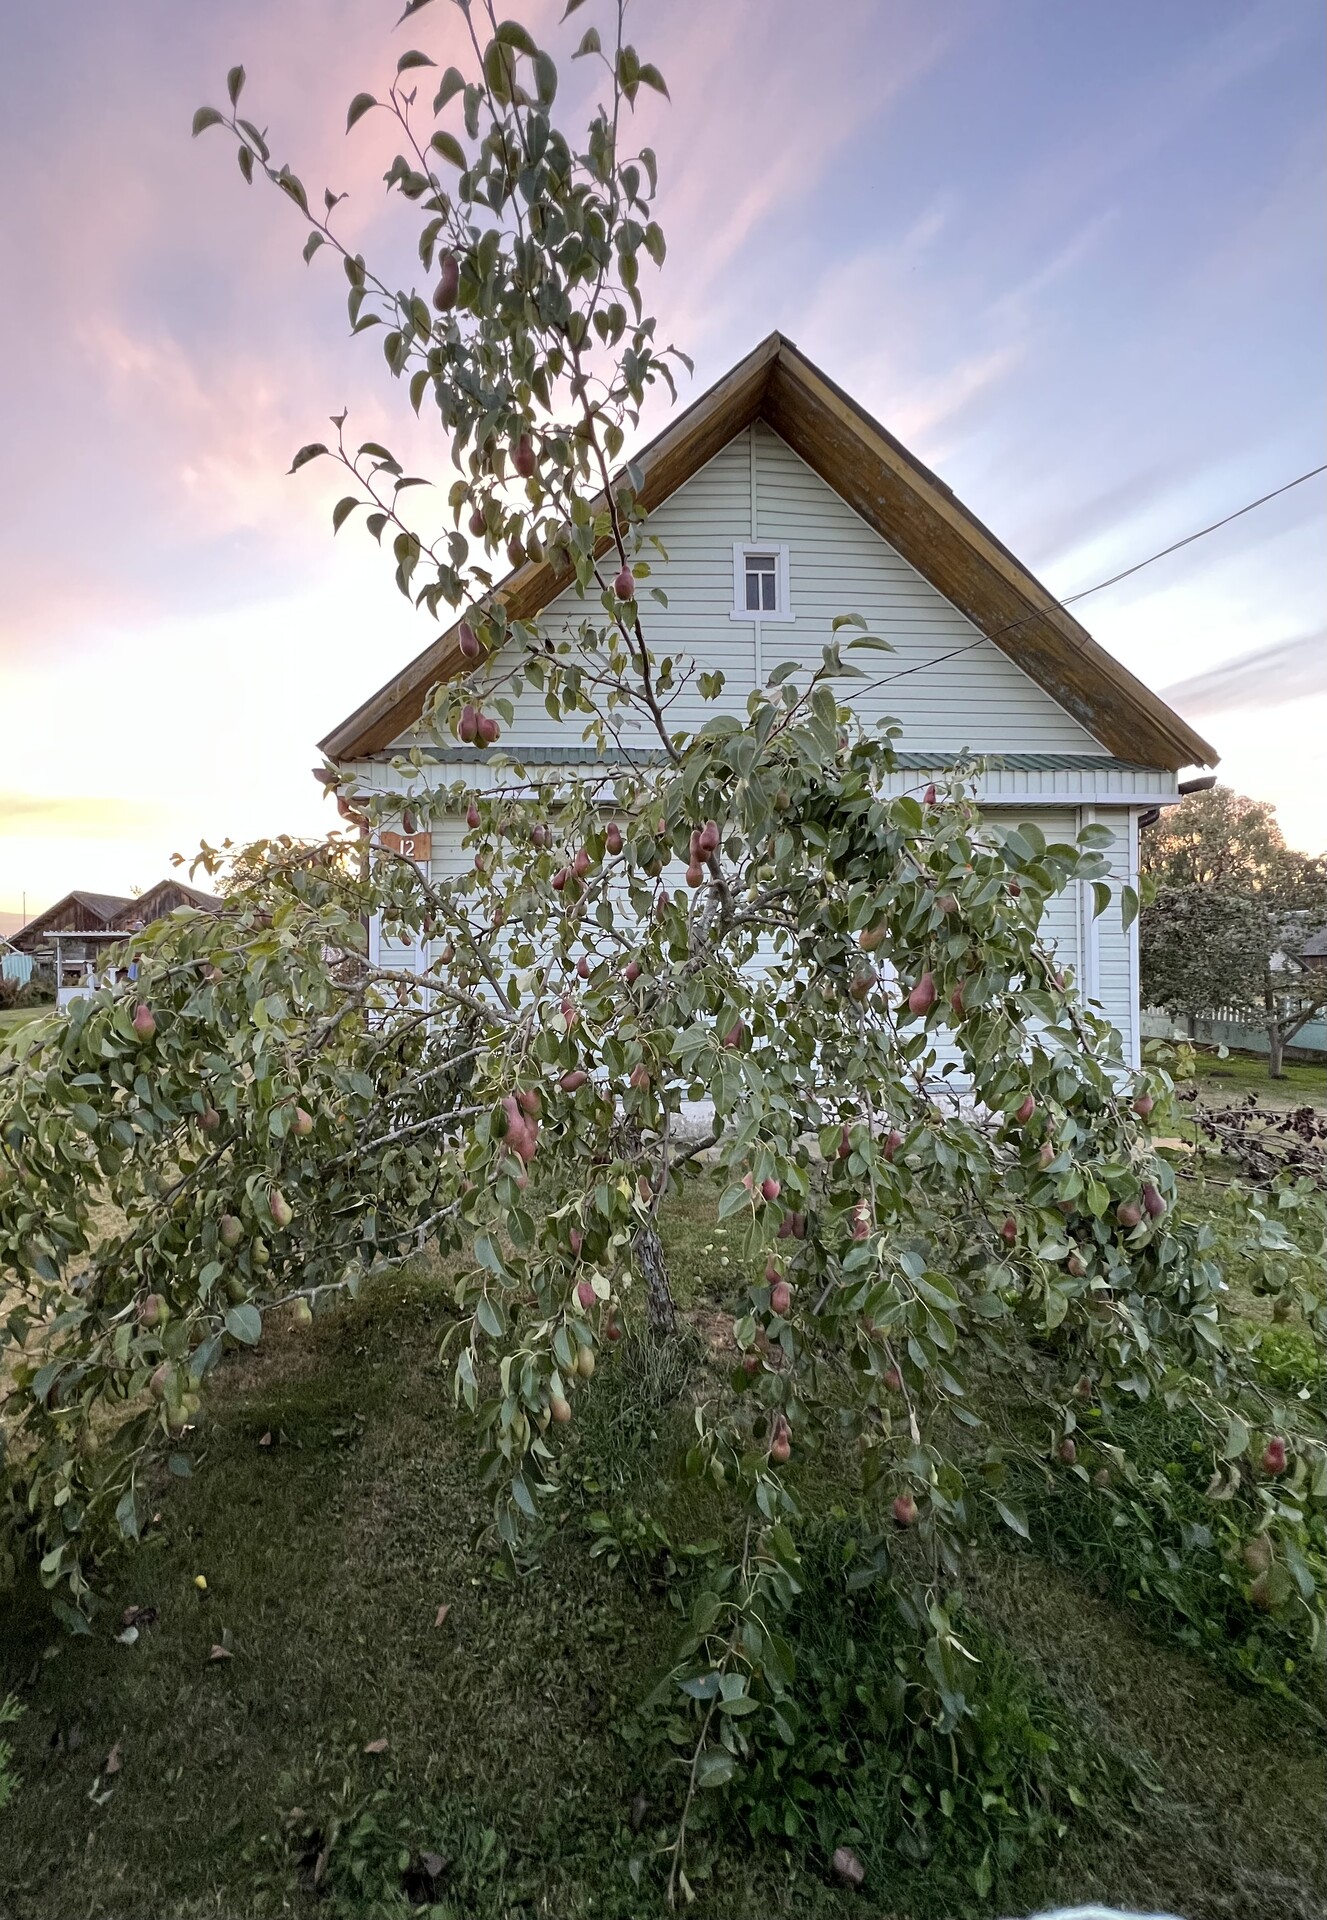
(510, 1755)
(12, 1018)
(1242, 1073)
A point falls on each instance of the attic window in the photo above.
(760, 582)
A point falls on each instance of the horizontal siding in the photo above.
(978, 700)
(1098, 951)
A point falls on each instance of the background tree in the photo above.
(271, 1118)
(1232, 907)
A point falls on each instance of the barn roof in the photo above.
(904, 502)
(98, 907)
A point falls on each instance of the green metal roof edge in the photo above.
(907, 762)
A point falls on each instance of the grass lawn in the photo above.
(12, 1018)
(1218, 1080)
(331, 1511)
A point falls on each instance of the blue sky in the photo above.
(1071, 254)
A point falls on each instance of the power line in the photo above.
(1071, 599)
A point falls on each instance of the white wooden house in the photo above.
(781, 504)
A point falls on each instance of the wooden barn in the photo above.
(72, 939)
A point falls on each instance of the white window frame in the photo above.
(783, 613)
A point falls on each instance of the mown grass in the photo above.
(514, 1762)
(1219, 1079)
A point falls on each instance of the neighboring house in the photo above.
(70, 939)
(1313, 953)
(781, 504)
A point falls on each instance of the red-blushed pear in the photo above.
(154, 1311)
(279, 1208)
(799, 1225)
(639, 1078)
(1274, 1455)
(893, 1141)
(893, 1379)
(773, 1274)
(144, 1022)
(580, 866)
(735, 1034)
(1074, 1265)
(956, 999)
(583, 968)
(573, 1082)
(771, 1188)
(1009, 1230)
(472, 816)
(539, 837)
(487, 730)
(709, 838)
(780, 1446)
(1101, 1478)
(468, 642)
(559, 1408)
(1067, 1450)
(1144, 1104)
(209, 1120)
(695, 875)
(230, 1231)
(613, 837)
(847, 1868)
(861, 984)
(624, 585)
(928, 798)
(302, 1315)
(164, 1382)
(861, 1220)
(468, 725)
(478, 524)
(948, 904)
(449, 283)
(585, 1362)
(845, 1143)
(523, 457)
(780, 1298)
(585, 1294)
(560, 879)
(576, 1240)
(632, 973)
(904, 1510)
(751, 1363)
(1045, 1153)
(922, 997)
(1153, 1204)
(1025, 1110)
(302, 1124)
(1128, 1214)
(529, 1102)
(870, 938)
(613, 1331)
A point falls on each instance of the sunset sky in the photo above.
(1072, 255)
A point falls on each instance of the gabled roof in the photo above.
(162, 899)
(97, 911)
(905, 503)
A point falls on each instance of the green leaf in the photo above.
(305, 454)
(311, 246)
(359, 106)
(126, 1515)
(235, 84)
(342, 511)
(414, 59)
(1101, 898)
(715, 1768)
(449, 147)
(1237, 1438)
(1013, 1516)
(1128, 907)
(181, 1466)
(245, 1324)
(207, 117)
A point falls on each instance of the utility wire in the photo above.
(1070, 599)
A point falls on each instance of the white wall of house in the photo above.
(951, 689)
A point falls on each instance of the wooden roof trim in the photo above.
(903, 501)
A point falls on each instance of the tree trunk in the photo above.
(1276, 1050)
(1276, 1045)
(660, 1306)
